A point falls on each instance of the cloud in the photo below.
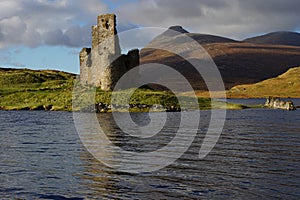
(72, 37)
(232, 18)
(33, 23)
(48, 22)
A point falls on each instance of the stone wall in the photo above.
(103, 65)
(276, 103)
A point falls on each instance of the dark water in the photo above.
(256, 157)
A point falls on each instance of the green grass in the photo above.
(85, 96)
(24, 89)
(35, 89)
(284, 86)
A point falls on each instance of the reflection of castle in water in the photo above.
(99, 179)
(103, 64)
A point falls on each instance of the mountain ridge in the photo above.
(278, 38)
(239, 62)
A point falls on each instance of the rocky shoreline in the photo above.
(276, 103)
(38, 107)
(271, 103)
(104, 108)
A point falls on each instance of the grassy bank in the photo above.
(148, 98)
(286, 85)
(24, 89)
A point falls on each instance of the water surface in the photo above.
(256, 157)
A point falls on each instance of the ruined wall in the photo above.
(108, 41)
(103, 64)
(84, 65)
(276, 103)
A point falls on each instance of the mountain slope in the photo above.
(238, 62)
(278, 38)
(177, 32)
(284, 85)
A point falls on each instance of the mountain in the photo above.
(239, 62)
(208, 39)
(281, 38)
(286, 85)
(175, 31)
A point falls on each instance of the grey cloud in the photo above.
(32, 38)
(59, 22)
(272, 6)
(55, 37)
(12, 30)
(67, 22)
(79, 35)
(232, 18)
(74, 36)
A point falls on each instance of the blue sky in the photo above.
(48, 34)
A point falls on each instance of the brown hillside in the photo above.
(281, 37)
(238, 62)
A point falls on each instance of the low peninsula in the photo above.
(25, 89)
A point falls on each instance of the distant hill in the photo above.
(284, 85)
(11, 76)
(277, 38)
(35, 89)
(208, 39)
(176, 31)
(239, 62)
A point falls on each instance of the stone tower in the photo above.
(103, 65)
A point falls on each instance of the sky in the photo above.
(48, 34)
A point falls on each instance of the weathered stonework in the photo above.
(276, 103)
(103, 65)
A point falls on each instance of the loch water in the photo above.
(256, 157)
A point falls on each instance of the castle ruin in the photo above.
(103, 64)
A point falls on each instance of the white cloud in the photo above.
(50, 22)
(67, 22)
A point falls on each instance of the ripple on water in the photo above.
(256, 157)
